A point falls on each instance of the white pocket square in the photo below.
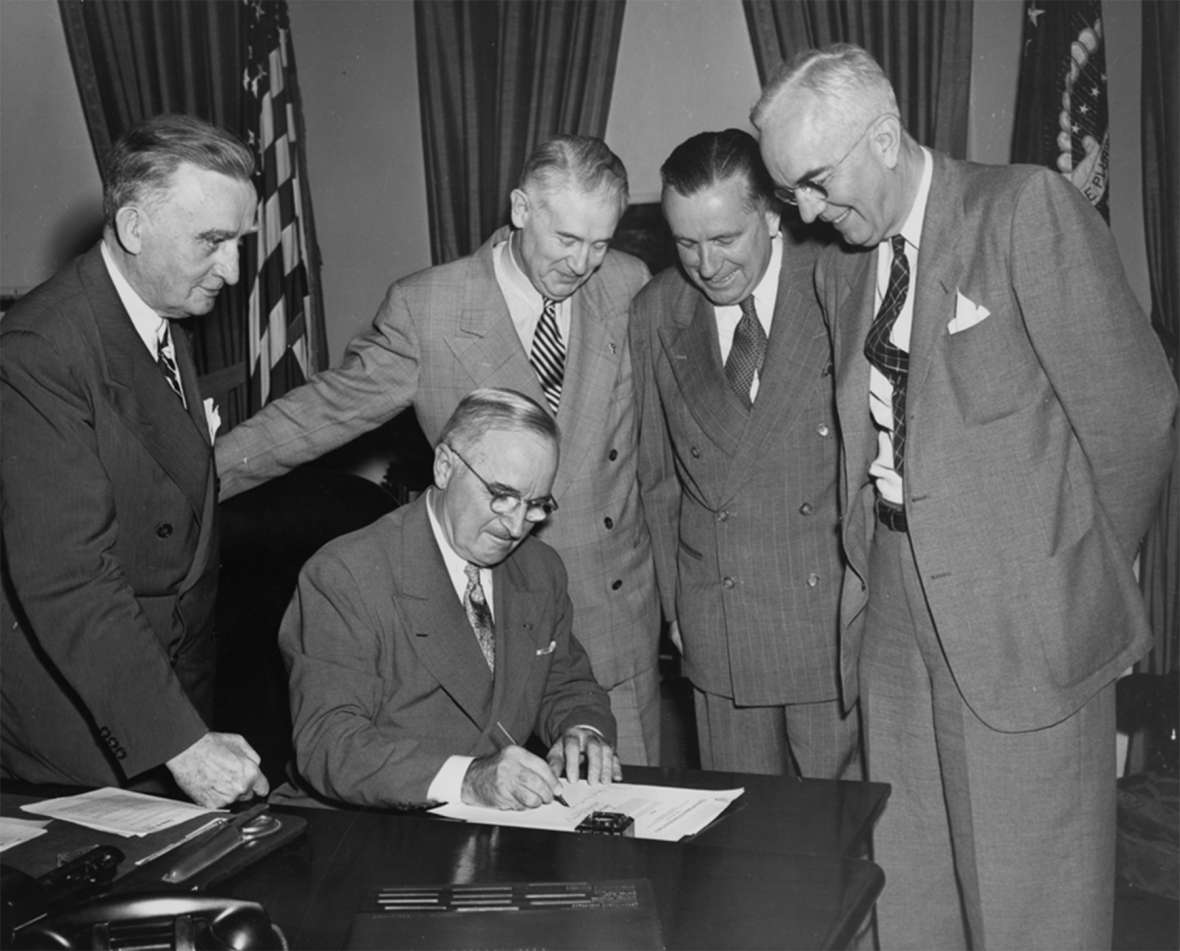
(547, 650)
(967, 314)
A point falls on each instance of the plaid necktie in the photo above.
(747, 353)
(548, 354)
(167, 364)
(890, 360)
(479, 616)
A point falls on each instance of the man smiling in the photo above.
(541, 307)
(738, 468)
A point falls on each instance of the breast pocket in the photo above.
(992, 368)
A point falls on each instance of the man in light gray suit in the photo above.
(1007, 419)
(738, 467)
(541, 308)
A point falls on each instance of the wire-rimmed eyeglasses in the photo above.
(789, 195)
(506, 501)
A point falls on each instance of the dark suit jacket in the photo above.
(387, 679)
(741, 504)
(445, 331)
(110, 564)
(1038, 438)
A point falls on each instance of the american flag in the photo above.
(1061, 112)
(285, 330)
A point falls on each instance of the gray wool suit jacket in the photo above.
(741, 503)
(1041, 425)
(445, 331)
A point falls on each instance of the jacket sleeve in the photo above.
(659, 487)
(60, 529)
(376, 380)
(1097, 348)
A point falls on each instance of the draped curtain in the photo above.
(496, 78)
(924, 48)
(1159, 566)
(136, 58)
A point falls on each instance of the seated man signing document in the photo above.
(422, 648)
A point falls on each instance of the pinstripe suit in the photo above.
(445, 331)
(742, 510)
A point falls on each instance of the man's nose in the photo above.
(710, 263)
(225, 263)
(809, 205)
(516, 522)
(579, 261)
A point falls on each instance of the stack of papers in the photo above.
(118, 811)
(668, 813)
(15, 831)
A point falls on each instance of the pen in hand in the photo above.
(557, 796)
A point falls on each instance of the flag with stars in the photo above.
(1061, 117)
(286, 334)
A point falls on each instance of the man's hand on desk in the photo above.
(218, 769)
(578, 743)
(513, 778)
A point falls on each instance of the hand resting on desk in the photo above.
(218, 769)
(577, 744)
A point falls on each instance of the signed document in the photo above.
(659, 812)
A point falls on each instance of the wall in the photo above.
(684, 66)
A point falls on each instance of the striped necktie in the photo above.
(747, 353)
(548, 354)
(479, 616)
(167, 364)
(881, 353)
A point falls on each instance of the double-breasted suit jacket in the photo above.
(387, 678)
(110, 541)
(741, 503)
(1040, 426)
(446, 331)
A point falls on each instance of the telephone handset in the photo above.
(181, 921)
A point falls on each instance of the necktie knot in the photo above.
(166, 362)
(548, 354)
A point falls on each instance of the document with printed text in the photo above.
(119, 811)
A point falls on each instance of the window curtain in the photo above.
(1159, 565)
(924, 48)
(136, 58)
(496, 78)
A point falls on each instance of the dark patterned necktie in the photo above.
(479, 616)
(548, 354)
(167, 364)
(747, 353)
(881, 353)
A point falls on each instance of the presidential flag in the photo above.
(1061, 113)
(286, 334)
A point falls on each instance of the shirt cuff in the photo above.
(447, 785)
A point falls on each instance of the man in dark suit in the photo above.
(738, 467)
(1007, 419)
(421, 647)
(109, 496)
(540, 308)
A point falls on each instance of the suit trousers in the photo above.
(812, 740)
(635, 704)
(989, 839)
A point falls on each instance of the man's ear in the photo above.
(129, 224)
(519, 204)
(885, 140)
(444, 466)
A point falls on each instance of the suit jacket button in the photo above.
(812, 580)
(694, 452)
(827, 370)
(164, 530)
(613, 455)
(608, 522)
(616, 584)
(823, 429)
(727, 582)
(805, 508)
(722, 516)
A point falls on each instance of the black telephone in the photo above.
(181, 921)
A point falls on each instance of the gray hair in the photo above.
(143, 159)
(580, 161)
(494, 408)
(846, 77)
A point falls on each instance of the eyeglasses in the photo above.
(506, 501)
(790, 195)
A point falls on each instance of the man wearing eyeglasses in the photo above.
(423, 647)
(1006, 416)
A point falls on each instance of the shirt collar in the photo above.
(147, 322)
(456, 566)
(911, 230)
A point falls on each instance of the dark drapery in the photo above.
(136, 58)
(1159, 566)
(496, 78)
(923, 46)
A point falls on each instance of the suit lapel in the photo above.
(518, 612)
(139, 393)
(439, 631)
(850, 324)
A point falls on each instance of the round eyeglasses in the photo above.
(506, 501)
(817, 190)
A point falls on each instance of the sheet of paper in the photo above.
(118, 811)
(660, 812)
(15, 831)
